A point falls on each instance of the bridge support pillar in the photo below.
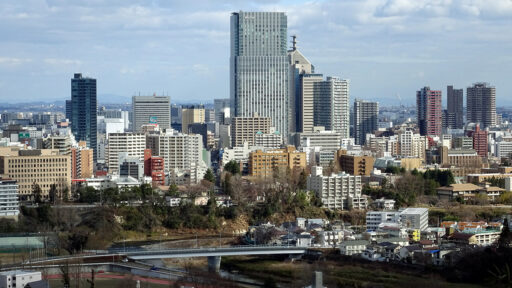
(214, 264)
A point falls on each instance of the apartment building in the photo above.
(9, 207)
(263, 164)
(131, 143)
(337, 191)
(244, 129)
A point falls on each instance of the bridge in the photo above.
(214, 254)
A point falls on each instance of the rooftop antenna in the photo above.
(294, 42)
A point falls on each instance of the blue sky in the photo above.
(181, 48)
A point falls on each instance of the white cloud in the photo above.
(57, 61)
(13, 61)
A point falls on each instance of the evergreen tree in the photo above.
(173, 190)
(37, 192)
(232, 167)
(505, 236)
(209, 176)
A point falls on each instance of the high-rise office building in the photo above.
(305, 101)
(481, 104)
(259, 67)
(222, 110)
(454, 112)
(151, 110)
(365, 119)
(428, 105)
(191, 114)
(331, 105)
(301, 102)
(84, 109)
(69, 108)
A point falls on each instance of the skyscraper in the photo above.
(331, 105)
(151, 110)
(429, 112)
(301, 101)
(84, 109)
(259, 67)
(191, 114)
(365, 119)
(481, 104)
(222, 110)
(454, 111)
(305, 101)
(69, 108)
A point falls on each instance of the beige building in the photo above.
(263, 164)
(61, 143)
(44, 167)
(244, 129)
(191, 114)
(411, 163)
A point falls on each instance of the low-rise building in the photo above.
(18, 278)
(414, 218)
(375, 218)
(385, 204)
(353, 247)
(468, 191)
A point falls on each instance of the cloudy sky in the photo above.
(387, 48)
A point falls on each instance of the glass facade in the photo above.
(259, 67)
(84, 109)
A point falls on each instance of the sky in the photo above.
(388, 49)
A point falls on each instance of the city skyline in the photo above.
(375, 47)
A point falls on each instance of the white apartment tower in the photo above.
(131, 143)
(180, 151)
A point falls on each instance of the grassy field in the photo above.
(335, 274)
(109, 283)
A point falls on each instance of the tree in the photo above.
(37, 192)
(53, 193)
(209, 176)
(232, 167)
(505, 236)
(303, 179)
(173, 190)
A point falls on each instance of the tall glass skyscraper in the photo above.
(84, 109)
(259, 67)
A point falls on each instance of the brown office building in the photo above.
(354, 164)
(244, 129)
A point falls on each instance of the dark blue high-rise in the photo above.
(84, 109)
